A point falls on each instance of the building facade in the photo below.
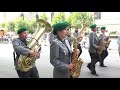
(109, 19)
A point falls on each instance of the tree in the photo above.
(32, 26)
(29, 25)
(11, 26)
(80, 20)
(44, 16)
(3, 25)
(21, 23)
(59, 17)
(86, 21)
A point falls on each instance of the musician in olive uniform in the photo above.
(104, 53)
(60, 52)
(93, 46)
(20, 48)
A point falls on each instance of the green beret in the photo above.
(103, 28)
(93, 26)
(21, 30)
(59, 27)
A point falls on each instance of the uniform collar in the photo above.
(61, 39)
(23, 40)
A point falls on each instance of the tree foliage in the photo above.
(58, 17)
(11, 25)
(44, 16)
(19, 22)
(29, 25)
(3, 25)
(80, 20)
(32, 26)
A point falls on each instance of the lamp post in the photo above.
(4, 17)
(94, 17)
(37, 16)
(22, 15)
(52, 14)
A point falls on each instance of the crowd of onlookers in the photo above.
(7, 38)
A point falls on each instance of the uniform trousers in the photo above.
(32, 73)
(94, 60)
(103, 55)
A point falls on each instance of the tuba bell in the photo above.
(25, 62)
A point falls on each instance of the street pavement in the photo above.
(45, 69)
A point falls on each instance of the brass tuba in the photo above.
(25, 62)
(76, 61)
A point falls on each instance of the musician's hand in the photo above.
(71, 67)
(38, 56)
(33, 53)
(107, 38)
(98, 47)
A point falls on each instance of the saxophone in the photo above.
(25, 62)
(101, 44)
(76, 61)
(108, 42)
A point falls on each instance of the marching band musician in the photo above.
(93, 46)
(61, 52)
(20, 48)
(104, 53)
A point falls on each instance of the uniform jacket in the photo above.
(60, 57)
(93, 42)
(21, 49)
